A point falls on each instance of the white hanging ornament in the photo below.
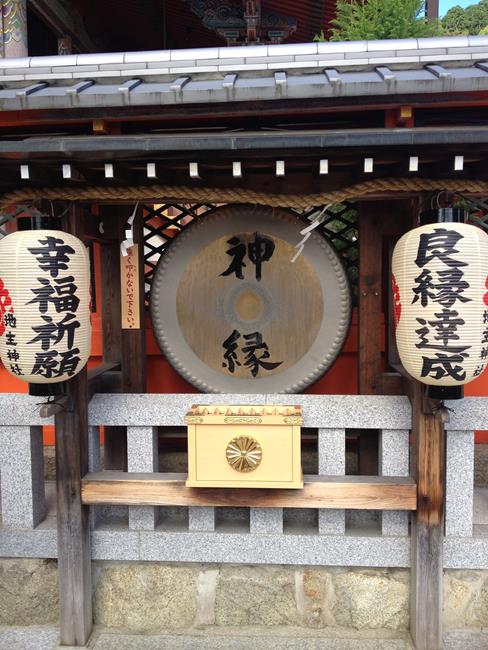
(440, 287)
(45, 330)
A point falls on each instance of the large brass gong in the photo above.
(233, 315)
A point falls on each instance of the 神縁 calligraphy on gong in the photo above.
(254, 350)
(249, 350)
(259, 250)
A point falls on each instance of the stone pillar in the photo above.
(332, 462)
(14, 28)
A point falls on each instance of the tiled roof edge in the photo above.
(166, 58)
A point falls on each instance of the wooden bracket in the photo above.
(59, 404)
(104, 127)
(402, 116)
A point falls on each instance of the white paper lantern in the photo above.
(440, 289)
(45, 330)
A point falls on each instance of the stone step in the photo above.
(47, 638)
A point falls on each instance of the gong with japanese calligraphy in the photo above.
(233, 314)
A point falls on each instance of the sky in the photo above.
(445, 5)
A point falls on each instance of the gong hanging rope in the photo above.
(240, 195)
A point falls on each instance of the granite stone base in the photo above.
(143, 598)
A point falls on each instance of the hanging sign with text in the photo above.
(129, 287)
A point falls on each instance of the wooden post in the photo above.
(428, 468)
(74, 556)
(134, 340)
(378, 223)
(74, 569)
(370, 289)
(115, 438)
(127, 346)
(370, 332)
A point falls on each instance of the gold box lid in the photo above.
(244, 414)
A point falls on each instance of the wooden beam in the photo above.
(370, 493)
(428, 467)
(318, 140)
(94, 373)
(74, 556)
(353, 108)
(64, 23)
(108, 382)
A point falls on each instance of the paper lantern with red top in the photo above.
(440, 302)
(45, 330)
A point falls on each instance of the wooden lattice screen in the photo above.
(162, 223)
(19, 211)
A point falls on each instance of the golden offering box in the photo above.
(244, 446)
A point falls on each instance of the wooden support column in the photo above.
(134, 340)
(427, 461)
(74, 556)
(115, 438)
(370, 291)
(379, 222)
(370, 314)
(121, 343)
(380, 225)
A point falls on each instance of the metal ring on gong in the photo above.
(231, 312)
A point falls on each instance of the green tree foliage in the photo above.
(472, 20)
(379, 19)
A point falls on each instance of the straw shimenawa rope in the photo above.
(241, 195)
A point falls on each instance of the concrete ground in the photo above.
(46, 638)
